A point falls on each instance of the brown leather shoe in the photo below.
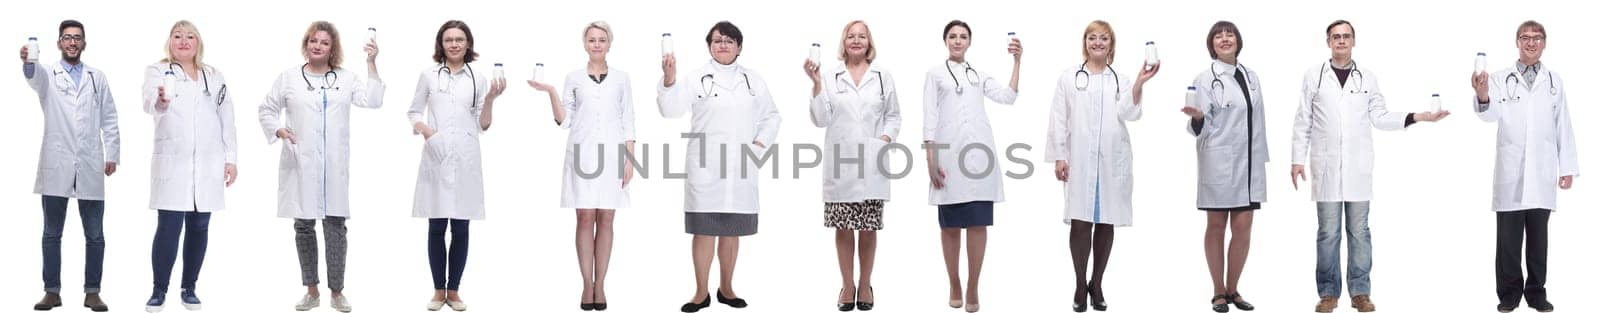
(1327, 304)
(93, 302)
(1362, 303)
(51, 300)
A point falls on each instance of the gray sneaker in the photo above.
(307, 303)
(341, 303)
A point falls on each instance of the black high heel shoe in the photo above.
(586, 306)
(1077, 305)
(692, 307)
(1239, 302)
(1220, 308)
(599, 306)
(846, 306)
(1097, 304)
(737, 303)
(866, 306)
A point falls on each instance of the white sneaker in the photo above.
(341, 303)
(435, 305)
(152, 308)
(457, 305)
(307, 303)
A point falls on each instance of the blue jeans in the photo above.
(164, 251)
(92, 212)
(457, 252)
(1360, 249)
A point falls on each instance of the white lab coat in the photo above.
(314, 174)
(1231, 145)
(732, 107)
(80, 132)
(959, 119)
(450, 174)
(856, 116)
(1333, 131)
(1088, 129)
(1534, 146)
(194, 139)
(599, 122)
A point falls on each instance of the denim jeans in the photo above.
(456, 253)
(164, 251)
(1354, 220)
(92, 213)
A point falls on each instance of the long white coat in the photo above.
(450, 174)
(599, 121)
(1333, 131)
(1088, 129)
(732, 107)
(1534, 146)
(1227, 178)
(80, 132)
(195, 138)
(959, 119)
(314, 174)
(856, 115)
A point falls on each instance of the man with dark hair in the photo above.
(81, 147)
(1537, 154)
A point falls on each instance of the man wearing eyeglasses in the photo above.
(1535, 153)
(1340, 104)
(81, 147)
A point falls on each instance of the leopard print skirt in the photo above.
(866, 215)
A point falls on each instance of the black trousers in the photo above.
(1512, 226)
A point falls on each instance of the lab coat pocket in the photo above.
(1507, 173)
(1217, 166)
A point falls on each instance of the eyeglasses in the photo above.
(1342, 36)
(1528, 39)
(78, 38)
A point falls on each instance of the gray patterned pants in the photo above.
(305, 242)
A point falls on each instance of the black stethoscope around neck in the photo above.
(330, 79)
(881, 92)
(1355, 76)
(204, 78)
(1513, 81)
(444, 69)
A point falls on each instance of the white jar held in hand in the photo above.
(372, 34)
(538, 72)
(499, 71)
(1191, 98)
(816, 54)
(169, 85)
(1482, 63)
(1438, 104)
(33, 49)
(666, 44)
(1150, 57)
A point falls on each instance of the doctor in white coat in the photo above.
(595, 105)
(452, 106)
(960, 145)
(314, 165)
(1225, 116)
(858, 104)
(1340, 104)
(1088, 140)
(81, 147)
(1535, 153)
(734, 121)
(194, 156)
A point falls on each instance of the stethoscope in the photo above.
(712, 87)
(445, 69)
(971, 74)
(94, 88)
(204, 78)
(1081, 79)
(1513, 80)
(330, 79)
(1217, 87)
(1355, 75)
(881, 91)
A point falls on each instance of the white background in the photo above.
(1432, 227)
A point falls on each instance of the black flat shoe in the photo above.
(586, 306)
(1239, 302)
(866, 306)
(600, 306)
(737, 303)
(1097, 304)
(845, 306)
(1219, 308)
(692, 307)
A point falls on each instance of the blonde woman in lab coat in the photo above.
(595, 105)
(956, 133)
(731, 107)
(1231, 146)
(1340, 104)
(194, 156)
(858, 104)
(308, 109)
(1089, 143)
(453, 105)
(1535, 154)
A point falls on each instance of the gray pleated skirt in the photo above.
(719, 224)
